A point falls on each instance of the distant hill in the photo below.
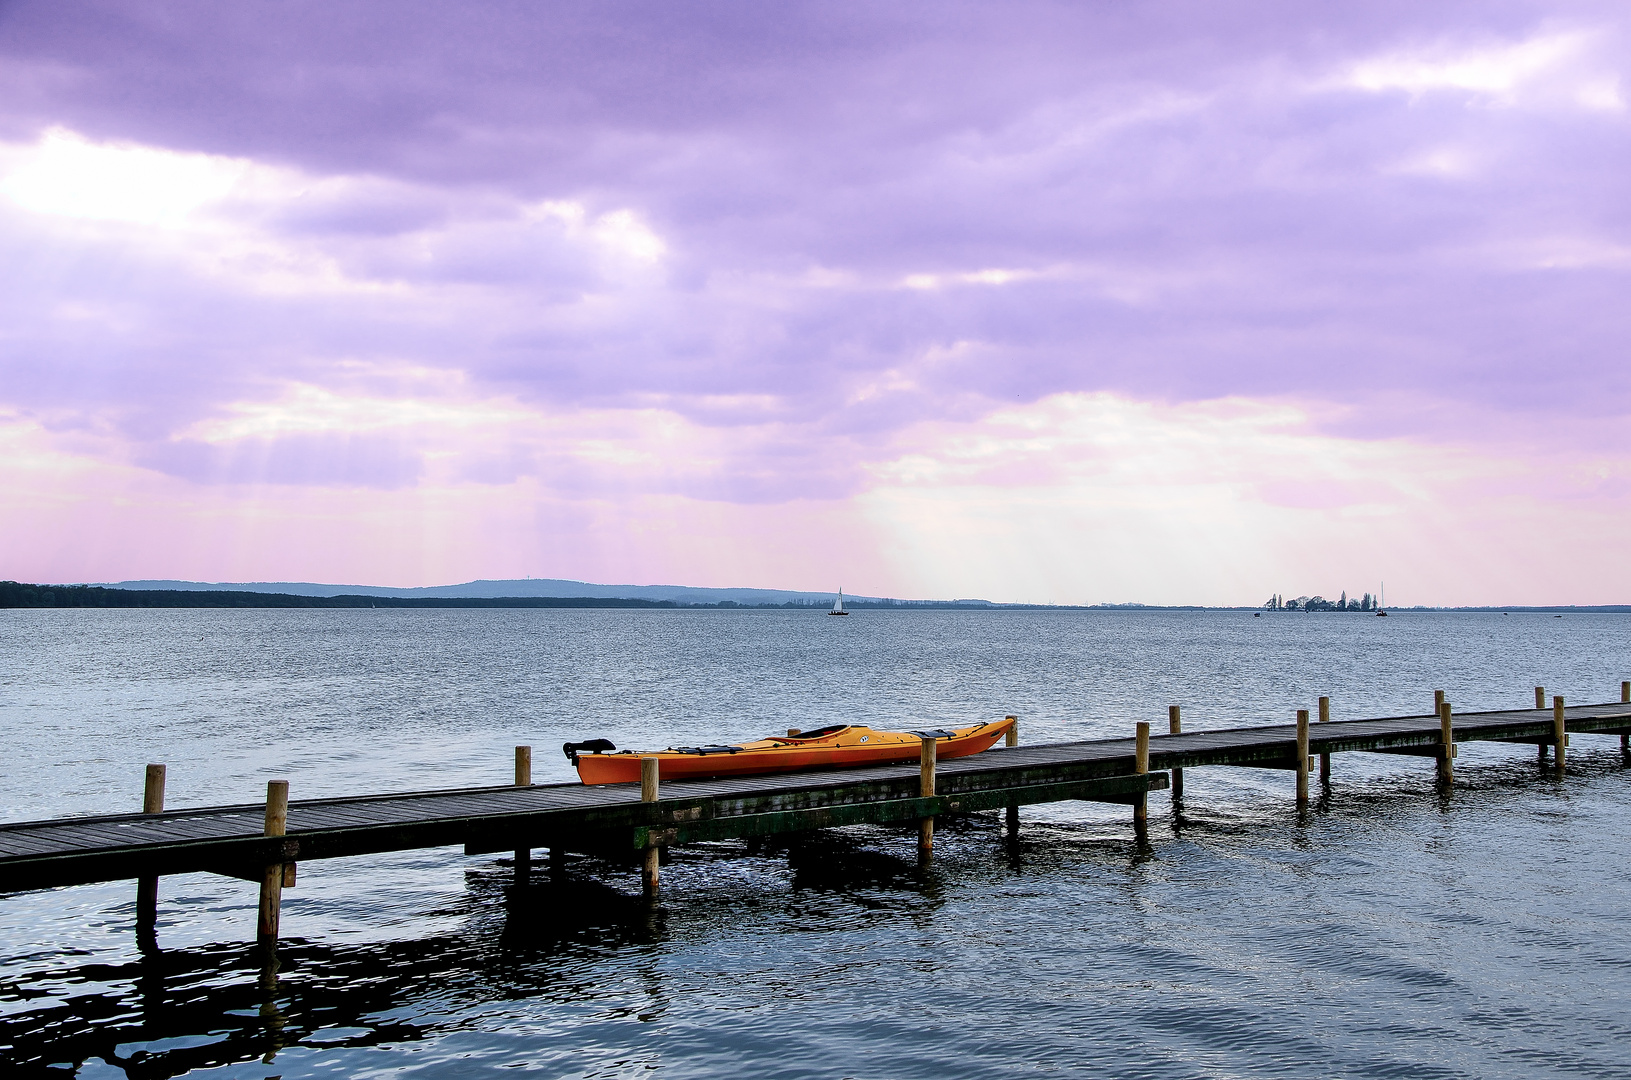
(477, 594)
(556, 587)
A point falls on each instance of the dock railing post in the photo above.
(1540, 703)
(523, 778)
(1560, 736)
(147, 886)
(1012, 739)
(1625, 737)
(648, 793)
(1302, 757)
(1438, 701)
(1141, 765)
(1446, 750)
(271, 899)
(1325, 759)
(1175, 726)
(925, 789)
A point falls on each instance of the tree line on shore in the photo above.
(16, 594)
(1319, 603)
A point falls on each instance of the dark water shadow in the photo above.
(315, 994)
(539, 938)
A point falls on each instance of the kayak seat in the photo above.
(593, 746)
(820, 733)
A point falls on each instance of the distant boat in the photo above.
(838, 605)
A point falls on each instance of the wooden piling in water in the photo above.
(1012, 739)
(925, 789)
(271, 898)
(1625, 737)
(1302, 757)
(153, 790)
(1175, 726)
(1325, 759)
(1446, 752)
(1540, 703)
(1560, 736)
(523, 778)
(1141, 765)
(147, 887)
(653, 853)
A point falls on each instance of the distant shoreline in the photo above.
(23, 595)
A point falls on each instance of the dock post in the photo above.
(1325, 759)
(1560, 737)
(1625, 737)
(1446, 750)
(271, 901)
(147, 886)
(1012, 739)
(648, 793)
(523, 778)
(1438, 701)
(1302, 757)
(1141, 765)
(1540, 703)
(925, 789)
(1175, 726)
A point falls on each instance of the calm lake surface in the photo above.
(1388, 931)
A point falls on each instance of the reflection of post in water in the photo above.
(271, 1016)
(147, 887)
(150, 987)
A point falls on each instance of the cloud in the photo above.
(747, 256)
(1551, 64)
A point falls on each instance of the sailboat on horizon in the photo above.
(838, 605)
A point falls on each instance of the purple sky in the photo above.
(1171, 302)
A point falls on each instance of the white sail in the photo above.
(838, 604)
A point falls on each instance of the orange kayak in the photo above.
(844, 745)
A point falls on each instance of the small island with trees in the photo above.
(1319, 603)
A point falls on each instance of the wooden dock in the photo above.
(264, 842)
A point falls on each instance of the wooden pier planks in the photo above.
(226, 839)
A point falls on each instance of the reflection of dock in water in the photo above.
(637, 822)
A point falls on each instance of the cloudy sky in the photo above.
(1074, 302)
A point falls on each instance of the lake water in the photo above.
(1388, 931)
